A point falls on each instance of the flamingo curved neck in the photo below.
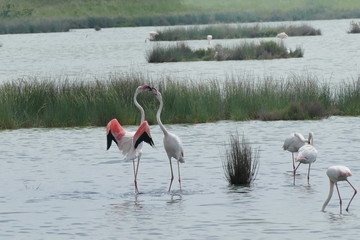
(158, 117)
(142, 112)
(330, 195)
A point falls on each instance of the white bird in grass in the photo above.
(209, 38)
(307, 155)
(152, 36)
(294, 143)
(282, 35)
(172, 143)
(335, 174)
(130, 143)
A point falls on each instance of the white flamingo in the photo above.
(172, 143)
(152, 36)
(335, 174)
(282, 35)
(209, 38)
(307, 155)
(130, 143)
(294, 142)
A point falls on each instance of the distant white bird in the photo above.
(294, 143)
(152, 36)
(172, 143)
(209, 38)
(307, 155)
(282, 35)
(335, 174)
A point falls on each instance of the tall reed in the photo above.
(64, 103)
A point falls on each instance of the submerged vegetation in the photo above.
(47, 103)
(241, 162)
(246, 51)
(24, 16)
(222, 31)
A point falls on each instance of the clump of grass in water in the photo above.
(247, 51)
(241, 163)
(223, 31)
(354, 27)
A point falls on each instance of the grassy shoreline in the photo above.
(46, 103)
(24, 16)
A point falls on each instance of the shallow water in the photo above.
(87, 54)
(63, 184)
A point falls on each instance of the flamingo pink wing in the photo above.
(114, 132)
(143, 135)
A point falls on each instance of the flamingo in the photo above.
(130, 143)
(335, 174)
(152, 36)
(209, 38)
(172, 143)
(282, 35)
(307, 155)
(294, 143)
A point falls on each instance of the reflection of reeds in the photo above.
(240, 163)
(246, 51)
(227, 32)
(49, 103)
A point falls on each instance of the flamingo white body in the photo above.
(172, 142)
(294, 142)
(282, 35)
(307, 155)
(130, 143)
(336, 174)
(152, 36)
(209, 38)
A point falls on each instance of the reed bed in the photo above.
(223, 31)
(63, 103)
(354, 27)
(246, 51)
(241, 163)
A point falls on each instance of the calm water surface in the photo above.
(63, 184)
(87, 54)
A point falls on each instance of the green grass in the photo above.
(245, 51)
(222, 31)
(49, 103)
(59, 15)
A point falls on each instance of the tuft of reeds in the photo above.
(64, 103)
(354, 27)
(246, 51)
(241, 163)
(222, 31)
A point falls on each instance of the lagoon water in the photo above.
(63, 184)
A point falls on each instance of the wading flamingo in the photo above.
(282, 35)
(294, 143)
(172, 143)
(130, 143)
(335, 174)
(307, 155)
(152, 36)
(209, 38)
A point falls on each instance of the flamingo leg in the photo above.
(295, 171)
(179, 174)
(308, 176)
(355, 191)
(135, 174)
(172, 174)
(337, 188)
(293, 159)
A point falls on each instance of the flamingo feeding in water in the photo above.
(152, 36)
(294, 143)
(130, 143)
(209, 38)
(307, 155)
(335, 174)
(172, 143)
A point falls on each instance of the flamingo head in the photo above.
(143, 88)
(156, 93)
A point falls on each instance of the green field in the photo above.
(59, 15)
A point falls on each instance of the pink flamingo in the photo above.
(335, 174)
(172, 143)
(307, 155)
(130, 143)
(295, 142)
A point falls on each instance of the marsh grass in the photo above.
(63, 103)
(241, 162)
(354, 27)
(222, 31)
(246, 51)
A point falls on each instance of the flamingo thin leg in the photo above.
(337, 188)
(308, 176)
(172, 174)
(355, 191)
(179, 174)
